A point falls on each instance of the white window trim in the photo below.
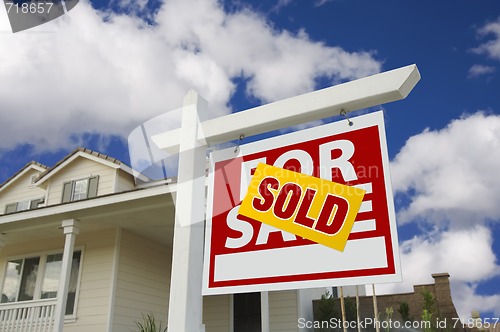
(38, 287)
(72, 318)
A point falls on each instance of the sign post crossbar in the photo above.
(366, 92)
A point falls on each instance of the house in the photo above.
(84, 228)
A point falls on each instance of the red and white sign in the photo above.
(244, 255)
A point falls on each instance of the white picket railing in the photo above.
(28, 316)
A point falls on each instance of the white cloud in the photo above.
(491, 47)
(450, 178)
(479, 70)
(465, 254)
(466, 299)
(106, 73)
(451, 174)
(451, 251)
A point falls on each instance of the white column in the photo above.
(264, 311)
(186, 302)
(71, 229)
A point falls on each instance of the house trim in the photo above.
(73, 318)
(300, 307)
(114, 277)
(231, 312)
(115, 181)
(47, 193)
(78, 207)
(264, 311)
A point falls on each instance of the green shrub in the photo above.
(326, 307)
(428, 308)
(404, 311)
(350, 309)
(149, 324)
(428, 301)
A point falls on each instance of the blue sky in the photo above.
(90, 77)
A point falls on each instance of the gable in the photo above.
(21, 189)
(81, 168)
(80, 175)
(31, 166)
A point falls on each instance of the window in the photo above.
(37, 277)
(247, 312)
(80, 189)
(23, 205)
(28, 204)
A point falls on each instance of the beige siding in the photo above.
(283, 311)
(216, 313)
(124, 181)
(143, 281)
(20, 190)
(81, 168)
(93, 298)
(31, 247)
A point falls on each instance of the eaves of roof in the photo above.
(77, 150)
(70, 208)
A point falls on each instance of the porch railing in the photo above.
(28, 316)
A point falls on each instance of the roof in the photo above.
(47, 172)
(31, 165)
(86, 153)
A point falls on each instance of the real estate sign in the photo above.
(243, 254)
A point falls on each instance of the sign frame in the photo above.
(286, 281)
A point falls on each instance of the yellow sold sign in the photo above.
(316, 209)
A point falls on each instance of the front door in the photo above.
(247, 312)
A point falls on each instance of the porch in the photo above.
(122, 251)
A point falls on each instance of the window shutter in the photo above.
(34, 203)
(92, 190)
(67, 191)
(10, 208)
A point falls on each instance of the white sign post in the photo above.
(185, 305)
